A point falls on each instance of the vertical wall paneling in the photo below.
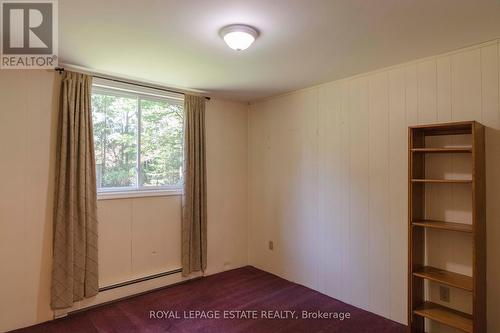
(466, 85)
(490, 86)
(314, 179)
(411, 94)
(443, 69)
(490, 73)
(151, 252)
(27, 133)
(359, 242)
(360, 227)
(345, 186)
(427, 91)
(329, 168)
(397, 192)
(227, 181)
(258, 145)
(38, 149)
(324, 140)
(378, 104)
(115, 262)
(492, 207)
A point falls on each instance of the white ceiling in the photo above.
(302, 42)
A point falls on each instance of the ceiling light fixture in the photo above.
(238, 36)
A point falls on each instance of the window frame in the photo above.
(103, 86)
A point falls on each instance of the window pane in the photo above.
(115, 136)
(161, 143)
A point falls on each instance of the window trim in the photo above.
(103, 86)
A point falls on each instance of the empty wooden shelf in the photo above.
(444, 315)
(445, 277)
(443, 181)
(442, 150)
(420, 161)
(451, 226)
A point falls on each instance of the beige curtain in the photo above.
(194, 199)
(74, 271)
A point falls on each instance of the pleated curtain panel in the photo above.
(194, 199)
(75, 271)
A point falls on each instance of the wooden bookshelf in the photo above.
(420, 308)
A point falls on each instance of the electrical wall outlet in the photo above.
(271, 245)
(444, 294)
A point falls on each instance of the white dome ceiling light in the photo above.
(238, 36)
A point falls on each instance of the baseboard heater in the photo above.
(142, 279)
(123, 284)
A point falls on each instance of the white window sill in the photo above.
(137, 194)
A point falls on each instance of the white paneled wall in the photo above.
(138, 237)
(328, 175)
(27, 146)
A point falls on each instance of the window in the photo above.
(138, 138)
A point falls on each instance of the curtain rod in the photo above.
(61, 69)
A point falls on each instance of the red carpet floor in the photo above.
(260, 294)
